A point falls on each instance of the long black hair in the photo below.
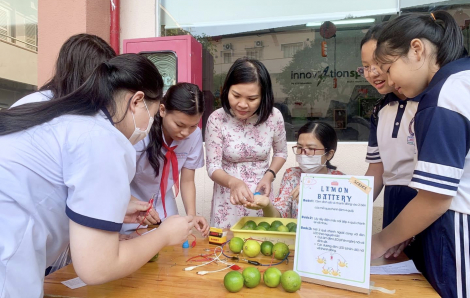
(245, 71)
(77, 59)
(183, 97)
(128, 72)
(325, 134)
(439, 28)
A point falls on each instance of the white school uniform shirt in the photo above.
(190, 155)
(442, 129)
(72, 167)
(392, 140)
(34, 97)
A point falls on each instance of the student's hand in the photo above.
(260, 202)
(295, 194)
(200, 223)
(377, 247)
(177, 228)
(135, 211)
(265, 184)
(152, 218)
(397, 249)
(239, 192)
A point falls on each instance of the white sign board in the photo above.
(334, 229)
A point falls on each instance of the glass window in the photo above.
(18, 48)
(313, 72)
(289, 50)
(227, 57)
(253, 53)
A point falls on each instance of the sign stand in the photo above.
(334, 230)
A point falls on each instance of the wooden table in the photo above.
(166, 278)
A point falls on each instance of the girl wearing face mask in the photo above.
(239, 139)
(424, 58)
(176, 142)
(316, 146)
(391, 150)
(65, 167)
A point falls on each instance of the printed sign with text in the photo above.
(334, 230)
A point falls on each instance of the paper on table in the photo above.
(74, 283)
(407, 267)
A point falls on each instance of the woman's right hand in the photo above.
(259, 202)
(177, 228)
(295, 193)
(240, 194)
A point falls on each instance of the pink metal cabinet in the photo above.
(187, 49)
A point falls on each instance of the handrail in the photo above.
(16, 39)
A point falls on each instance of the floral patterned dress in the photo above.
(242, 150)
(284, 203)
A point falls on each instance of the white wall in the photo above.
(349, 159)
(137, 19)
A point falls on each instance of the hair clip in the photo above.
(433, 17)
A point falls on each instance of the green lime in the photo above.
(272, 277)
(290, 225)
(276, 224)
(267, 248)
(246, 228)
(250, 224)
(251, 248)
(264, 224)
(282, 229)
(236, 244)
(290, 281)
(280, 250)
(293, 228)
(260, 228)
(274, 229)
(154, 258)
(251, 276)
(233, 281)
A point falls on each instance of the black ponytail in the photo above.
(439, 28)
(128, 72)
(183, 97)
(77, 59)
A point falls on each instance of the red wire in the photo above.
(255, 239)
(193, 244)
(146, 214)
(200, 256)
(272, 260)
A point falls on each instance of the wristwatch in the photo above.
(272, 172)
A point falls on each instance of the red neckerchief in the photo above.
(170, 157)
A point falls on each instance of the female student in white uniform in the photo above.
(173, 146)
(391, 150)
(77, 59)
(65, 168)
(424, 57)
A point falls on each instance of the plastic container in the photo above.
(285, 237)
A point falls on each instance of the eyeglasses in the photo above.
(306, 151)
(365, 71)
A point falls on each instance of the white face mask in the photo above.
(310, 163)
(138, 135)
